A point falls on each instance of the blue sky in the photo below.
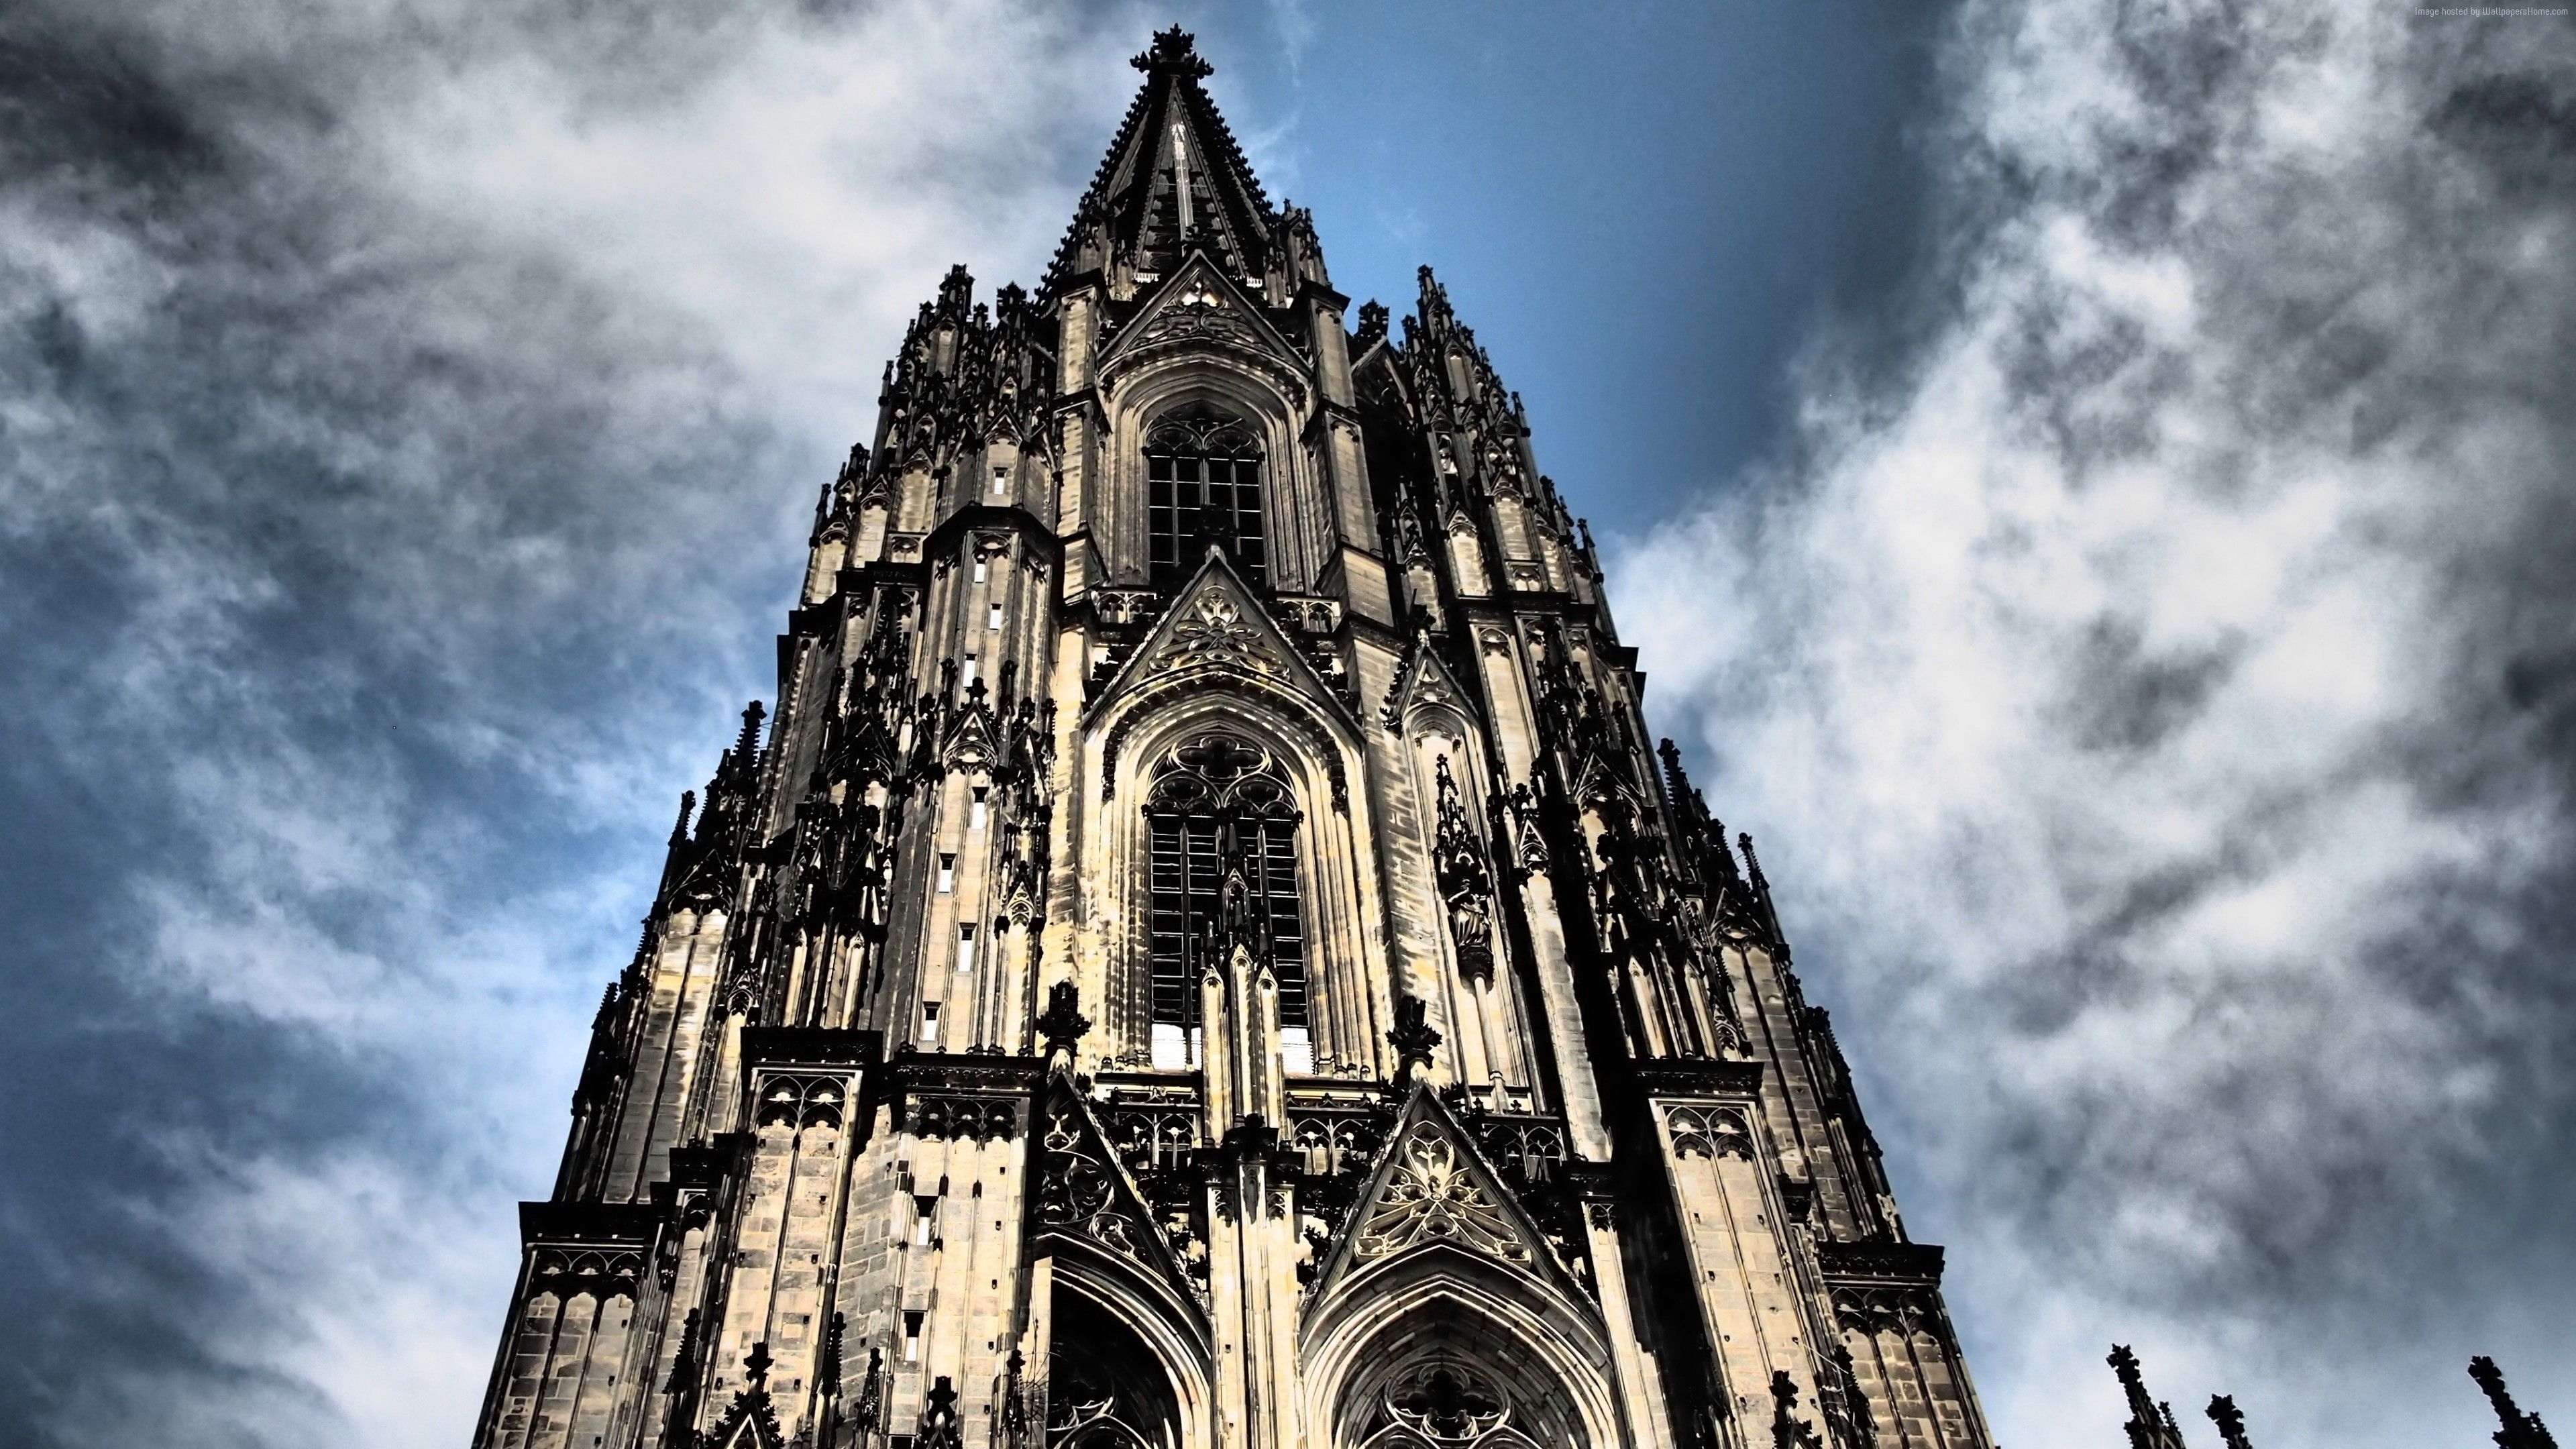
(2088, 480)
(1640, 209)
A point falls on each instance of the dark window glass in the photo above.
(1287, 931)
(1202, 487)
(1219, 805)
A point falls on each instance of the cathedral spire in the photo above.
(1174, 180)
(1388, 985)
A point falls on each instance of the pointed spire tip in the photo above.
(1174, 50)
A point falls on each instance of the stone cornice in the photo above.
(589, 1224)
(809, 1046)
(1697, 1077)
(1880, 1261)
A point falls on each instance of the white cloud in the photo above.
(2122, 701)
(422, 403)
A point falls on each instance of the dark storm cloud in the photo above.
(380, 419)
(2156, 704)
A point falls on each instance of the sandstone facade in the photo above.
(1204, 952)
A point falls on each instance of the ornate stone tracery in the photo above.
(800, 1101)
(1445, 1404)
(974, 1119)
(1709, 1132)
(1222, 828)
(1078, 1188)
(1015, 1081)
(1213, 631)
(1432, 1195)
(600, 1273)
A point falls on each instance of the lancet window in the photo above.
(1203, 486)
(1221, 830)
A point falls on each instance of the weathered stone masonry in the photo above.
(1204, 951)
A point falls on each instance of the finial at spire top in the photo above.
(2230, 1421)
(1174, 50)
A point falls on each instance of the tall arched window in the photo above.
(1203, 486)
(1105, 1388)
(1220, 812)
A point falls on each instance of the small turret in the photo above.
(1373, 322)
(956, 294)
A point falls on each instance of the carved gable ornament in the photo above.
(1425, 681)
(1217, 636)
(1216, 627)
(1214, 638)
(1199, 306)
(1211, 629)
(1432, 1188)
(1199, 310)
(1083, 1191)
(1432, 1195)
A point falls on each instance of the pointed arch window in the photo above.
(1203, 486)
(1105, 1388)
(1221, 832)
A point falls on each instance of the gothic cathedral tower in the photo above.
(1203, 954)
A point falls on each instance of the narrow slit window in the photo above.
(965, 948)
(912, 1336)
(930, 1021)
(975, 810)
(993, 615)
(947, 874)
(1001, 479)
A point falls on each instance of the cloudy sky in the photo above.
(2092, 482)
